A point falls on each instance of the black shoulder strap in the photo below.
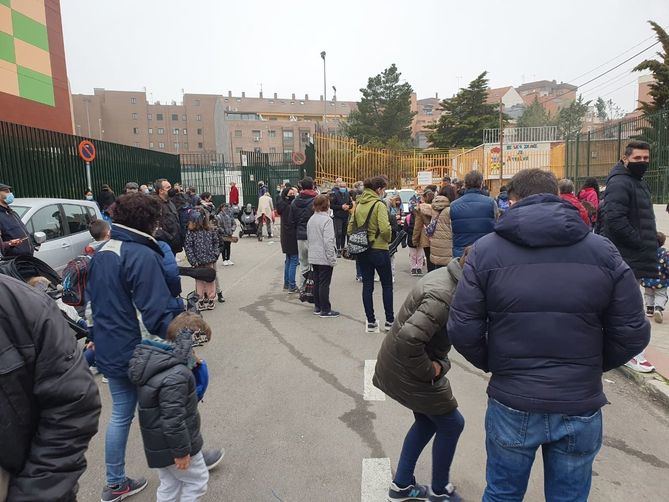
(369, 215)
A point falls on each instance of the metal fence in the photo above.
(209, 172)
(41, 163)
(594, 153)
(523, 134)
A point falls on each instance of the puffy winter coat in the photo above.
(582, 212)
(338, 198)
(49, 402)
(404, 368)
(547, 306)
(126, 276)
(301, 210)
(169, 223)
(662, 280)
(321, 240)
(288, 235)
(202, 247)
(441, 242)
(379, 231)
(423, 216)
(167, 400)
(590, 196)
(472, 217)
(628, 220)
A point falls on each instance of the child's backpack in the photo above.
(503, 205)
(75, 277)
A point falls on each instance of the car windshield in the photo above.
(406, 195)
(20, 210)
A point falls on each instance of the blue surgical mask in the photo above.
(344, 189)
(89, 197)
(9, 198)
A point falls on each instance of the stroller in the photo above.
(249, 225)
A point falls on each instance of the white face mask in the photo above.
(89, 197)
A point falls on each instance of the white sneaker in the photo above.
(640, 364)
(230, 262)
(372, 327)
(226, 263)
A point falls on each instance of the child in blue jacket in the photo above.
(655, 288)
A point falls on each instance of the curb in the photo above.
(653, 384)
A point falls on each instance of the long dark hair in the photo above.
(591, 183)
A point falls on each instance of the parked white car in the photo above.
(58, 227)
(405, 194)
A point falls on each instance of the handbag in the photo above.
(230, 238)
(358, 241)
(307, 292)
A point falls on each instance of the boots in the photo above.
(220, 297)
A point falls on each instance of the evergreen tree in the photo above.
(570, 119)
(384, 115)
(600, 106)
(659, 89)
(465, 117)
(535, 115)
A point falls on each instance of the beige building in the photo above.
(551, 95)
(427, 112)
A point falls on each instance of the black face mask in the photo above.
(637, 169)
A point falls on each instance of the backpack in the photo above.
(358, 241)
(307, 293)
(503, 205)
(432, 226)
(75, 277)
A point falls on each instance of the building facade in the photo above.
(552, 96)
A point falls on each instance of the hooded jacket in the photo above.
(441, 242)
(472, 217)
(422, 217)
(404, 368)
(167, 400)
(628, 220)
(582, 212)
(301, 210)
(546, 306)
(379, 231)
(49, 402)
(288, 235)
(126, 278)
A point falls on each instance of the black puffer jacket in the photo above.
(404, 369)
(49, 402)
(301, 210)
(288, 234)
(628, 220)
(167, 401)
(338, 198)
(169, 224)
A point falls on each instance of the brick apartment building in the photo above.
(549, 93)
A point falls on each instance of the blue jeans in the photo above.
(289, 269)
(376, 260)
(124, 402)
(569, 445)
(446, 430)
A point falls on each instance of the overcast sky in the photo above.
(212, 46)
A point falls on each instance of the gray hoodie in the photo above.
(321, 240)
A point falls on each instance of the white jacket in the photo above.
(265, 207)
(321, 240)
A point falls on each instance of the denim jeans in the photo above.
(289, 269)
(124, 402)
(446, 430)
(376, 260)
(569, 445)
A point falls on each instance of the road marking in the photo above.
(371, 393)
(376, 478)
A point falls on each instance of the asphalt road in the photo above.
(287, 402)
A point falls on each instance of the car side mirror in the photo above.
(40, 237)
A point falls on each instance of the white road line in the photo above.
(371, 393)
(376, 478)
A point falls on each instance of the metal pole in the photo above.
(88, 175)
(501, 144)
(325, 92)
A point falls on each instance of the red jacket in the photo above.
(583, 213)
(234, 196)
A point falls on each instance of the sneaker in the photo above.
(650, 311)
(317, 311)
(292, 290)
(411, 492)
(213, 457)
(285, 287)
(230, 263)
(387, 326)
(219, 295)
(640, 364)
(330, 315)
(372, 327)
(225, 263)
(202, 305)
(358, 278)
(210, 305)
(105, 379)
(126, 489)
(658, 316)
(450, 495)
(419, 271)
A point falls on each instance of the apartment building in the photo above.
(551, 95)
(427, 112)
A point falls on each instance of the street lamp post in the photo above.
(325, 92)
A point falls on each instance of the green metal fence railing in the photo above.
(594, 153)
(41, 163)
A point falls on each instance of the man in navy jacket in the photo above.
(472, 215)
(546, 306)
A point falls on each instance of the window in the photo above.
(186, 145)
(135, 130)
(161, 130)
(76, 218)
(271, 133)
(256, 135)
(133, 101)
(134, 116)
(49, 221)
(238, 150)
(150, 130)
(183, 117)
(238, 133)
(199, 145)
(150, 144)
(175, 116)
(135, 144)
(161, 145)
(149, 116)
(288, 135)
(304, 136)
(257, 149)
(185, 131)
(197, 102)
(159, 116)
(199, 131)
(272, 150)
(198, 117)
(176, 146)
(287, 150)
(175, 131)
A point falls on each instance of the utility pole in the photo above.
(501, 143)
(325, 92)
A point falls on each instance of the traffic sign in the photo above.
(298, 158)
(87, 151)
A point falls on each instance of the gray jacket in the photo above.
(321, 240)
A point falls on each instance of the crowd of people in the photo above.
(539, 286)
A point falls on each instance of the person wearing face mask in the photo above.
(14, 237)
(341, 203)
(88, 195)
(288, 238)
(628, 220)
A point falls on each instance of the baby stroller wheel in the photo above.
(241, 234)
